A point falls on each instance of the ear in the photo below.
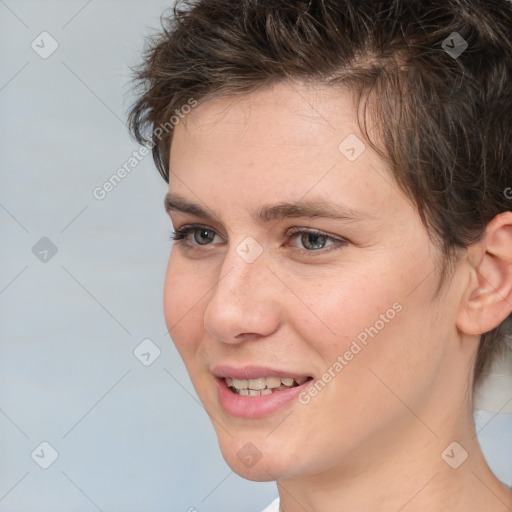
(487, 300)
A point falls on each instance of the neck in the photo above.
(414, 469)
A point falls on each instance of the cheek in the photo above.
(183, 307)
(377, 354)
(347, 307)
(371, 320)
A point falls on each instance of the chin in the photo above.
(257, 461)
(262, 471)
(255, 474)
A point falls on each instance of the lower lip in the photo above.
(256, 406)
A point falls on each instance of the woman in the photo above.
(339, 183)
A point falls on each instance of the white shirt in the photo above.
(273, 507)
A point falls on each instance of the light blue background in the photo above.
(129, 437)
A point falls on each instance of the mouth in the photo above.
(263, 385)
(257, 391)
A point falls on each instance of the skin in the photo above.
(375, 434)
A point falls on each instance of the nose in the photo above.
(244, 303)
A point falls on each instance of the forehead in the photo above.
(281, 143)
(294, 113)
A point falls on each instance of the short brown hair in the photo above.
(444, 120)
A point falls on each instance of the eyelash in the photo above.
(180, 236)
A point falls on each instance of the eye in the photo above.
(312, 241)
(203, 236)
(307, 241)
(195, 235)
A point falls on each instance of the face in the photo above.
(299, 259)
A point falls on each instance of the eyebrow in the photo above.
(301, 209)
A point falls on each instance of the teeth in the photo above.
(263, 385)
(240, 383)
(257, 384)
(273, 382)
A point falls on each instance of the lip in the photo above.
(255, 406)
(253, 372)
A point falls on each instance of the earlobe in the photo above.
(488, 298)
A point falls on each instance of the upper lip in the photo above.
(253, 372)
